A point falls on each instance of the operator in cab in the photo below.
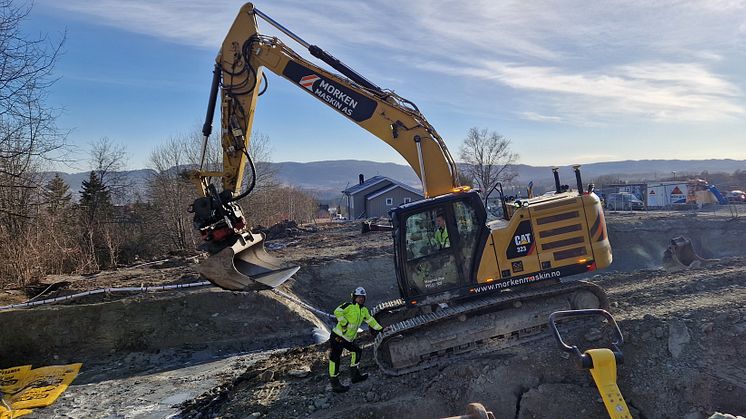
(349, 318)
(441, 232)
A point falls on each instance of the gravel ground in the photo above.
(684, 335)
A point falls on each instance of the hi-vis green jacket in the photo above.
(441, 238)
(349, 318)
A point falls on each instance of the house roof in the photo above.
(391, 188)
(352, 190)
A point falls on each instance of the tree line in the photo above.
(49, 231)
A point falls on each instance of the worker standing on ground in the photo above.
(349, 318)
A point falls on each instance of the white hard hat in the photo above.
(359, 291)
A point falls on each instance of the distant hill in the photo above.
(329, 178)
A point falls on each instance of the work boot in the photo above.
(337, 386)
(357, 376)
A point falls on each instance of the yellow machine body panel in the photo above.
(547, 234)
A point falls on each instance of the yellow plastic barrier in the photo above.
(24, 388)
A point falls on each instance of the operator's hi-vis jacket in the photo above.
(349, 318)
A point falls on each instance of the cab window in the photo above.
(424, 235)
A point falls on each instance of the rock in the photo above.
(707, 327)
(267, 376)
(678, 337)
(321, 402)
(649, 317)
(301, 372)
(659, 332)
(255, 415)
(370, 396)
(719, 415)
(593, 335)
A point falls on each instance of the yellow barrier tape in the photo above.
(24, 388)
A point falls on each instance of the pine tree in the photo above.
(95, 199)
(57, 195)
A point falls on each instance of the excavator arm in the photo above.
(393, 119)
(238, 260)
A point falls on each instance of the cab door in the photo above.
(426, 267)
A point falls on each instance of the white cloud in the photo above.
(579, 61)
(533, 116)
(659, 91)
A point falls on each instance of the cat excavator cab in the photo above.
(492, 282)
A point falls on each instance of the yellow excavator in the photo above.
(487, 286)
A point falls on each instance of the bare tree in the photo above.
(488, 158)
(28, 138)
(109, 160)
(101, 221)
(171, 193)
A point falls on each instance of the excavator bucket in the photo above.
(680, 254)
(246, 266)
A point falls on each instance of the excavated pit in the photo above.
(197, 341)
(639, 239)
(204, 320)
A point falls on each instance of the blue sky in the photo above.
(567, 82)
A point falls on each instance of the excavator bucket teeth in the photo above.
(246, 266)
(680, 254)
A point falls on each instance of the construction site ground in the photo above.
(204, 352)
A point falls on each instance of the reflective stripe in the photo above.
(353, 360)
(333, 369)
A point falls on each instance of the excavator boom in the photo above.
(238, 260)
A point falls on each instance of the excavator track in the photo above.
(485, 325)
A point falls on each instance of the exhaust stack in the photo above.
(576, 168)
(555, 171)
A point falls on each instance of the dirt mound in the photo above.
(284, 229)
